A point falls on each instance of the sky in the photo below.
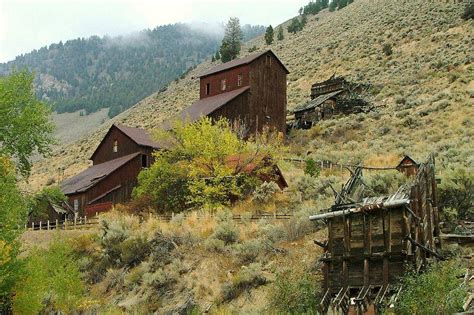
(31, 24)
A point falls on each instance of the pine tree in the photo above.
(324, 4)
(213, 59)
(217, 56)
(231, 44)
(269, 35)
(342, 4)
(280, 33)
(333, 5)
(303, 22)
(295, 25)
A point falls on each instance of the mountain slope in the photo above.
(117, 72)
(426, 86)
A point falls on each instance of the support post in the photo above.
(47, 225)
(40, 225)
(57, 224)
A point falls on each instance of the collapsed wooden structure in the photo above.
(328, 98)
(373, 240)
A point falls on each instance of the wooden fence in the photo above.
(90, 222)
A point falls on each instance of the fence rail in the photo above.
(86, 222)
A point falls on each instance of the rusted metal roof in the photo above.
(94, 174)
(206, 106)
(239, 62)
(138, 135)
(316, 102)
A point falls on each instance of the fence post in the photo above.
(75, 221)
(32, 226)
(40, 225)
(56, 226)
(47, 225)
(85, 219)
(172, 215)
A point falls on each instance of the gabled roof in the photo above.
(206, 106)
(316, 102)
(239, 62)
(94, 174)
(139, 136)
(406, 158)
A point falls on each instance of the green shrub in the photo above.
(387, 49)
(311, 168)
(384, 183)
(227, 232)
(51, 281)
(294, 293)
(265, 192)
(456, 191)
(134, 251)
(439, 290)
(246, 279)
(214, 245)
(248, 252)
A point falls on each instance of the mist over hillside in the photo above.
(116, 72)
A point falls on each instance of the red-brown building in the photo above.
(249, 91)
(121, 155)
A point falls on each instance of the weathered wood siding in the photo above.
(126, 177)
(125, 146)
(267, 94)
(237, 110)
(231, 77)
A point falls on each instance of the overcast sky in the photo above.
(29, 24)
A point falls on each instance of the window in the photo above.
(239, 80)
(76, 205)
(223, 86)
(208, 88)
(115, 145)
(144, 161)
(268, 60)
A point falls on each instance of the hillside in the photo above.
(425, 88)
(116, 72)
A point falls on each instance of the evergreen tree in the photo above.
(231, 44)
(324, 4)
(342, 4)
(218, 56)
(303, 22)
(213, 58)
(333, 5)
(295, 26)
(280, 33)
(269, 35)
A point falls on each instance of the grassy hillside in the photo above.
(424, 94)
(426, 86)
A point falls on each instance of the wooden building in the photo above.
(328, 98)
(120, 156)
(250, 91)
(372, 240)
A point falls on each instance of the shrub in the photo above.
(248, 252)
(51, 279)
(384, 183)
(265, 192)
(468, 11)
(456, 191)
(443, 282)
(294, 293)
(134, 251)
(227, 232)
(114, 279)
(311, 168)
(246, 279)
(314, 187)
(387, 49)
(214, 245)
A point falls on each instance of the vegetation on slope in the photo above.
(115, 73)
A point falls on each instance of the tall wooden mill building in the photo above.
(250, 91)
